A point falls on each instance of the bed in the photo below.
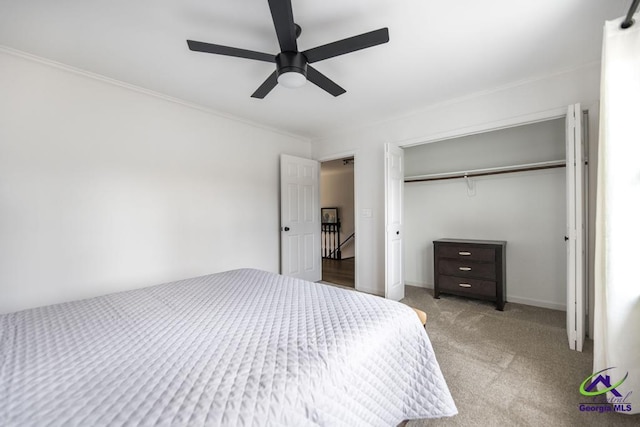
(243, 347)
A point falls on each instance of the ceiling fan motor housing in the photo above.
(291, 62)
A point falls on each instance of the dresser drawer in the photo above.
(461, 268)
(466, 253)
(467, 285)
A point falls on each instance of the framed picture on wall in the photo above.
(329, 215)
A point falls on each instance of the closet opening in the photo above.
(509, 184)
(338, 237)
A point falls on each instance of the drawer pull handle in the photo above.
(464, 253)
(464, 285)
(464, 268)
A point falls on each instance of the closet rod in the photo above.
(497, 172)
(629, 19)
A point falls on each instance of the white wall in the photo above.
(536, 142)
(491, 109)
(106, 188)
(336, 190)
(526, 209)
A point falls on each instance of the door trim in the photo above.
(543, 116)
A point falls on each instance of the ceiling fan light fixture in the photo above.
(292, 69)
(292, 79)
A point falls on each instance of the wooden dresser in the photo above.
(470, 268)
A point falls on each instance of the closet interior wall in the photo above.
(526, 208)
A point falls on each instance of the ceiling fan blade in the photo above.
(349, 45)
(323, 82)
(266, 87)
(282, 15)
(230, 51)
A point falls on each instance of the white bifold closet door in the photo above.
(394, 203)
(575, 235)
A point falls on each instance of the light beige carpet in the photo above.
(508, 368)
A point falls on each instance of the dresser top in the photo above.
(475, 242)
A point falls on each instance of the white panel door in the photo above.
(394, 188)
(575, 239)
(300, 218)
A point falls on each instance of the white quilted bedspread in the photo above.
(244, 347)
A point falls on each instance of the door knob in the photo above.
(286, 229)
(398, 233)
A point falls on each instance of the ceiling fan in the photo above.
(292, 66)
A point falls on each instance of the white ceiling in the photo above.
(438, 50)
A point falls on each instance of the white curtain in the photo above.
(617, 265)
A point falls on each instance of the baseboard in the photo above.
(537, 303)
(418, 285)
(514, 299)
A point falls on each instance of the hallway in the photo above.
(340, 272)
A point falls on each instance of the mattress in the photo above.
(243, 347)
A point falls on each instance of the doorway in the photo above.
(337, 202)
